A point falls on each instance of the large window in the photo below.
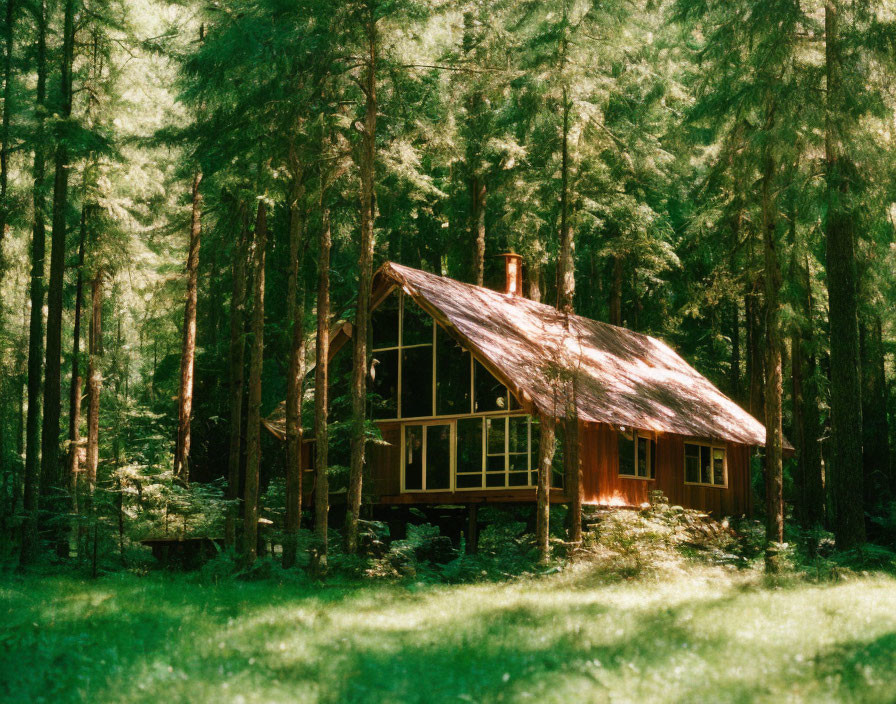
(492, 452)
(418, 370)
(497, 452)
(705, 464)
(637, 455)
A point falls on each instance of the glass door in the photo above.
(427, 456)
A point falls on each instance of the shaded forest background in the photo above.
(176, 178)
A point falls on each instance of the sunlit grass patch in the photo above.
(712, 634)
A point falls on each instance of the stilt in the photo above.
(472, 529)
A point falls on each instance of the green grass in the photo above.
(707, 635)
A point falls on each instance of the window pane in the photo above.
(494, 480)
(643, 456)
(469, 481)
(490, 394)
(495, 428)
(438, 457)
(692, 463)
(518, 437)
(518, 478)
(384, 384)
(452, 375)
(384, 322)
(626, 445)
(413, 457)
(653, 459)
(718, 466)
(705, 476)
(519, 463)
(416, 382)
(495, 463)
(469, 445)
(416, 326)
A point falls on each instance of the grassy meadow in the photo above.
(708, 634)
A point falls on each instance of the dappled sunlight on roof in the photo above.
(622, 377)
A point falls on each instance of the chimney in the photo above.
(513, 274)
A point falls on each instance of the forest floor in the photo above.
(708, 634)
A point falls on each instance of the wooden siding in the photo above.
(600, 470)
(603, 485)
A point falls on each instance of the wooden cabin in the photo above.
(461, 374)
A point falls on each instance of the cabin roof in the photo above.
(621, 377)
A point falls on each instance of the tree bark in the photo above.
(478, 197)
(774, 443)
(812, 491)
(50, 470)
(846, 388)
(9, 28)
(534, 279)
(755, 357)
(237, 354)
(188, 349)
(616, 292)
(253, 412)
(734, 372)
(875, 425)
(94, 378)
(74, 399)
(567, 276)
(546, 446)
(362, 314)
(31, 489)
(321, 400)
(296, 377)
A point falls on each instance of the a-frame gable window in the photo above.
(418, 370)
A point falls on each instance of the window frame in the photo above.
(712, 446)
(651, 439)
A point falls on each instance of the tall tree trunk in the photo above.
(188, 350)
(253, 411)
(94, 378)
(875, 425)
(476, 181)
(812, 490)
(8, 33)
(36, 323)
(50, 470)
(295, 379)
(846, 388)
(774, 443)
(478, 197)
(74, 399)
(546, 446)
(534, 279)
(616, 292)
(362, 314)
(755, 357)
(237, 354)
(734, 373)
(567, 276)
(321, 394)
